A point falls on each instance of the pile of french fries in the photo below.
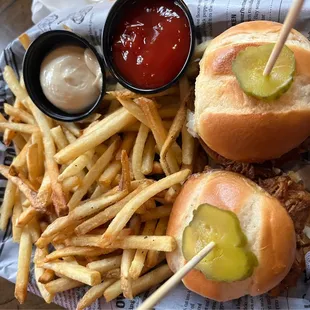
(99, 192)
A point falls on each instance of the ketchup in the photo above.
(151, 43)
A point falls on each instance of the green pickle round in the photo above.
(249, 66)
(230, 260)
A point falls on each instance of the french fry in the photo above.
(73, 128)
(7, 204)
(93, 294)
(168, 111)
(127, 144)
(51, 166)
(100, 149)
(148, 155)
(152, 256)
(157, 213)
(18, 113)
(74, 272)
(98, 192)
(138, 152)
(37, 139)
(93, 174)
(133, 109)
(94, 206)
(19, 143)
(106, 264)
(90, 119)
(140, 255)
(74, 251)
(127, 258)
(125, 182)
(45, 191)
(113, 274)
(17, 210)
(70, 136)
(59, 137)
(160, 134)
(122, 218)
(32, 159)
(142, 284)
(70, 183)
(24, 128)
(34, 229)
(61, 285)
(19, 162)
(102, 132)
(39, 255)
(24, 257)
(47, 275)
(25, 41)
(76, 166)
(156, 168)
(110, 173)
(107, 214)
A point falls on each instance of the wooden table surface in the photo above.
(15, 17)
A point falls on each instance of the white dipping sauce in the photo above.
(70, 78)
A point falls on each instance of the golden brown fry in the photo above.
(24, 128)
(100, 149)
(19, 143)
(122, 218)
(106, 264)
(93, 174)
(34, 229)
(107, 214)
(72, 127)
(59, 137)
(148, 155)
(18, 113)
(157, 213)
(24, 257)
(61, 285)
(160, 134)
(32, 159)
(70, 183)
(25, 41)
(138, 152)
(125, 182)
(51, 166)
(39, 255)
(140, 285)
(90, 119)
(76, 166)
(94, 206)
(37, 139)
(93, 294)
(110, 173)
(17, 210)
(74, 271)
(7, 204)
(127, 144)
(102, 132)
(19, 162)
(152, 256)
(157, 168)
(140, 255)
(47, 275)
(113, 274)
(98, 192)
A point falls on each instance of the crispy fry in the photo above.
(106, 264)
(152, 256)
(157, 213)
(59, 137)
(18, 113)
(148, 155)
(121, 219)
(107, 214)
(125, 182)
(61, 285)
(37, 139)
(140, 285)
(32, 159)
(38, 272)
(102, 132)
(73, 128)
(51, 166)
(94, 293)
(47, 275)
(160, 134)
(7, 204)
(138, 152)
(94, 206)
(19, 161)
(133, 109)
(75, 272)
(110, 173)
(17, 210)
(24, 128)
(25, 41)
(24, 257)
(140, 255)
(156, 168)
(76, 166)
(93, 174)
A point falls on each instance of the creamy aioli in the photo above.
(70, 78)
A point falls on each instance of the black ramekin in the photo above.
(115, 15)
(33, 58)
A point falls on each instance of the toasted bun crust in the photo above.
(267, 225)
(240, 127)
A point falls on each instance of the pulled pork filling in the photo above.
(293, 196)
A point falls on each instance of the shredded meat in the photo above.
(293, 196)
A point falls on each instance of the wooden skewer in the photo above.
(176, 278)
(285, 31)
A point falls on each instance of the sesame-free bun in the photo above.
(240, 127)
(264, 221)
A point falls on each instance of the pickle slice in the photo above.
(249, 66)
(230, 260)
